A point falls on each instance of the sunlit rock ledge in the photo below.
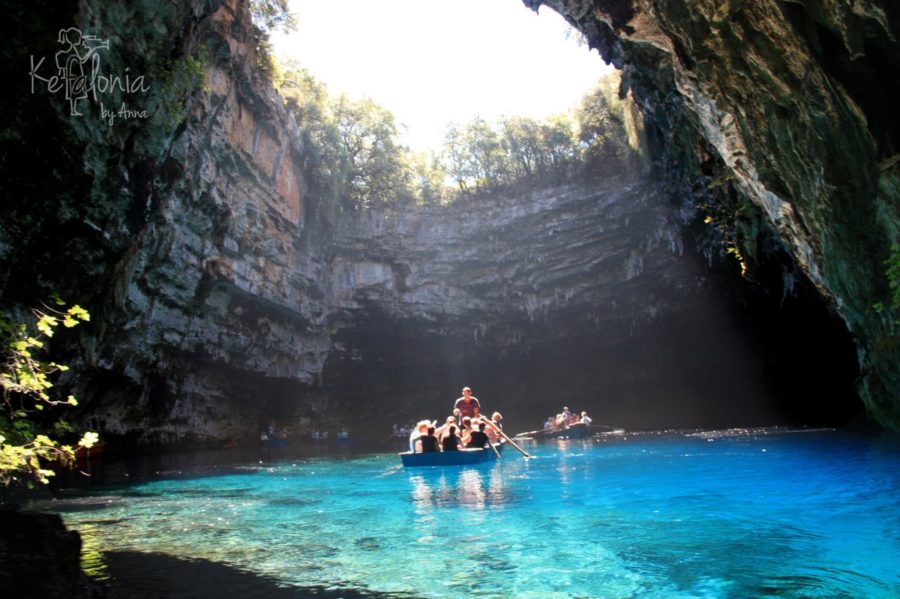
(781, 115)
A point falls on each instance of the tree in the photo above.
(557, 138)
(371, 159)
(487, 153)
(270, 15)
(26, 447)
(524, 144)
(457, 157)
(428, 175)
(475, 155)
(601, 122)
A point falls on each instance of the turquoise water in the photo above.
(734, 514)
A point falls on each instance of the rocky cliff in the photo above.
(226, 296)
(778, 119)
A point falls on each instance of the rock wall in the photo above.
(778, 119)
(40, 558)
(226, 297)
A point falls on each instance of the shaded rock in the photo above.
(39, 557)
(777, 119)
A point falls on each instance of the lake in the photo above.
(742, 513)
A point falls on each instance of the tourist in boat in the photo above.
(497, 419)
(478, 439)
(420, 430)
(468, 405)
(465, 430)
(493, 427)
(427, 442)
(442, 430)
(585, 419)
(450, 442)
(568, 417)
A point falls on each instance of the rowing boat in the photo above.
(461, 457)
(575, 431)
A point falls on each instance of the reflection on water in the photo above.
(476, 488)
(712, 515)
(93, 561)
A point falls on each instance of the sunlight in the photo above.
(442, 61)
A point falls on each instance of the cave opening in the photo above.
(588, 293)
(764, 352)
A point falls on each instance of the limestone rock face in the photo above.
(781, 117)
(226, 296)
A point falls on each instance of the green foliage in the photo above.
(889, 313)
(480, 155)
(373, 164)
(354, 159)
(269, 16)
(475, 155)
(179, 78)
(428, 175)
(26, 382)
(893, 275)
(601, 123)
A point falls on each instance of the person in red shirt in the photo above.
(468, 405)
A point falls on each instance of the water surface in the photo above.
(735, 514)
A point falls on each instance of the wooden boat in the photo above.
(575, 431)
(462, 457)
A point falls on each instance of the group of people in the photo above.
(565, 419)
(341, 435)
(465, 428)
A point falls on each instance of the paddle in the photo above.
(510, 441)
(529, 433)
(494, 448)
(514, 444)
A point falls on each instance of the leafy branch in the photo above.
(26, 383)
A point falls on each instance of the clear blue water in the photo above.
(803, 514)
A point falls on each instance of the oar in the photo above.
(543, 430)
(494, 448)
(513, 443)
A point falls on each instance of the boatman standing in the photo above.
(467, 404)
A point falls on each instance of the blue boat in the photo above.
(574, 431)
(462, 457)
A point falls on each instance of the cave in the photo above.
(228, 294)
(712, 273)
